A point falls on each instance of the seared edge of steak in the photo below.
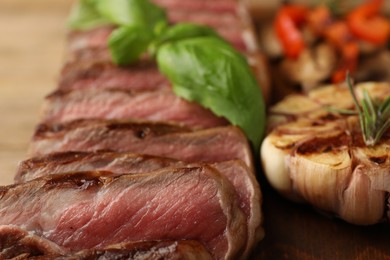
(17, 243)
(157, 105)
(205, 195)
(242, 178)
(209, 145)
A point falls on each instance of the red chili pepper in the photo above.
(366, 23)
(349, 59)
(319, 19)
(286, 25)
(338, 34)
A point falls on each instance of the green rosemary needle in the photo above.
(374, 116)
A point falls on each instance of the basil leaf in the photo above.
(183, 31)
(131, 12)
(210, 72)
(85, 16)
(128, 43)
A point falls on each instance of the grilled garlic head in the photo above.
(317, 156)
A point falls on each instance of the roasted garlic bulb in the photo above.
(315, 153)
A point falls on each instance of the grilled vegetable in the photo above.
(316, 153)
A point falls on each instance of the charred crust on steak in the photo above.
(81, 180)
(61, 93)
(142, 129)
(91, 68)
(146, 129)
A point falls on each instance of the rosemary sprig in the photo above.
(374, 116)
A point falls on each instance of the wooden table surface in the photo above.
(31, 53)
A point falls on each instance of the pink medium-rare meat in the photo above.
(164, 106)
(94, 38)
(250, 198)
(105, 75)
(159, 139)
(17, 243)
(236, 171)
(117, 163)
(92, 210)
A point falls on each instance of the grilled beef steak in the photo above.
(165, 106)
(88, 72)
(159, 139)
(230, 19)
(17, 243)
(94, 210)
(238, 174)
(120, 163)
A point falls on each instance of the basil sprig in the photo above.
(210, 72)
(85, 16)
(201, 66)
(138, 22)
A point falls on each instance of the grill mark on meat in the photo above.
(201, 205)
(90, 73)
(236, 171)
(17, 243)
(63, 106)
(46, 130)
(210, 145)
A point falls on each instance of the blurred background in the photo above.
(31, 49)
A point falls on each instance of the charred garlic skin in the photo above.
(319, 157)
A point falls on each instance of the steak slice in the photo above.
(236, 171)
(159, 139)
(92, 210)
(165, 106)
(17, 243)
(117, 163)
(20, 244)
(105, 75)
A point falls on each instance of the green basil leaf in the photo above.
(210, 72)
(128, 43)
(131, 12)
(85, 16)
(183, 31)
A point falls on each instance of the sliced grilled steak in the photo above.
(105, 75)
(164, 105)
(117, 163)
(20, 244)
(159, 139)
(93, 210)
(17, 243)
(238, 174)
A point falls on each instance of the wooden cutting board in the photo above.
(32, 46)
